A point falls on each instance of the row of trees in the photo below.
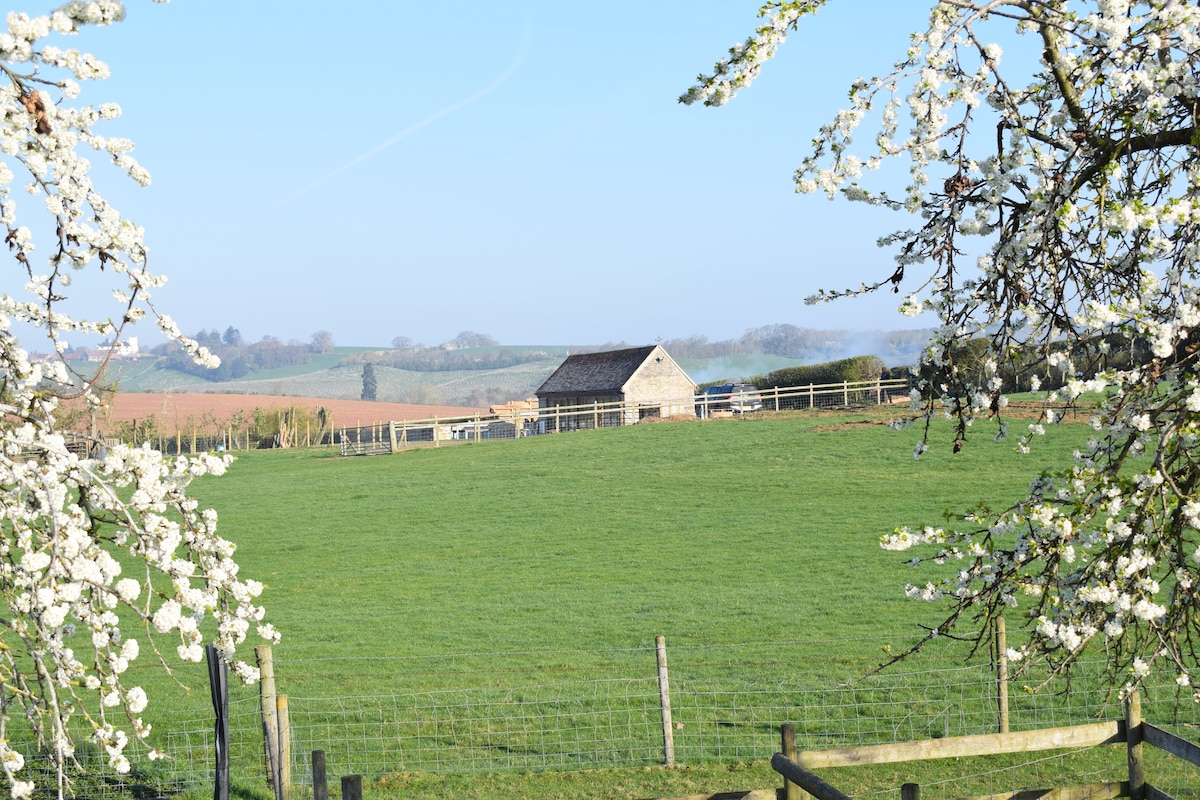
(806, 344)
(239, 359)
(464, 339)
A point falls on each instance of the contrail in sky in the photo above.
(500, 80)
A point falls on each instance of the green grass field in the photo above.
(707, 533)
(538, 559)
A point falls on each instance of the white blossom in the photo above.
(72, 519)
(1061, 229)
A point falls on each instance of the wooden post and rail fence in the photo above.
(389, 437)
(800, 782)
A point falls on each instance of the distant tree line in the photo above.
(806, 344)
(853, 370)
(470, 350)
(239, 359)
(437, 359)
(467, 351)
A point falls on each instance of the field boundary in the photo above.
(610, 714)
(516, 421)
(1132, 731)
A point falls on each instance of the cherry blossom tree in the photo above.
(1055, 212)
(71, 511)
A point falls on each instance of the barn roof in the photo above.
(596, 372)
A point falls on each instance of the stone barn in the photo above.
(616, 387)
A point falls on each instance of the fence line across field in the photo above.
(621, 715)
(511, 422)
(383, 438)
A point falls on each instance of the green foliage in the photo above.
(858, 368)
(370, 386)
(238, 360)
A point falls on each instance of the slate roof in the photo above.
(596, 372)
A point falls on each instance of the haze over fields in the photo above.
(471, 371)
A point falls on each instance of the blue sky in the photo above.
(389, 168)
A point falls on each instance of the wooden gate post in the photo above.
(787, 736)
(1133, 740)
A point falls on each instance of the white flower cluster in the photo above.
(1075, 189)
(747, 58)
(71, 519)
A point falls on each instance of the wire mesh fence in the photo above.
(604, 710)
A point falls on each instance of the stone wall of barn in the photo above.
(661, 382)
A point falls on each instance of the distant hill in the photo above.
(484, 376)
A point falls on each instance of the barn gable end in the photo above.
(643, 381)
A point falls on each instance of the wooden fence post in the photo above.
(1133, 739)
(285, 747)
(664, 701)
(910, 791)
(320, 780)
(352, 787)
(787, 736)
(266, 693)
(1002, 673)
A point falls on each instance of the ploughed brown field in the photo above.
(182, 409)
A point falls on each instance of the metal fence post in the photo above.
(218, 684)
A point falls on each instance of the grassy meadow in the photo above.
(549, 554)
(521, 563)
(729, 531)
